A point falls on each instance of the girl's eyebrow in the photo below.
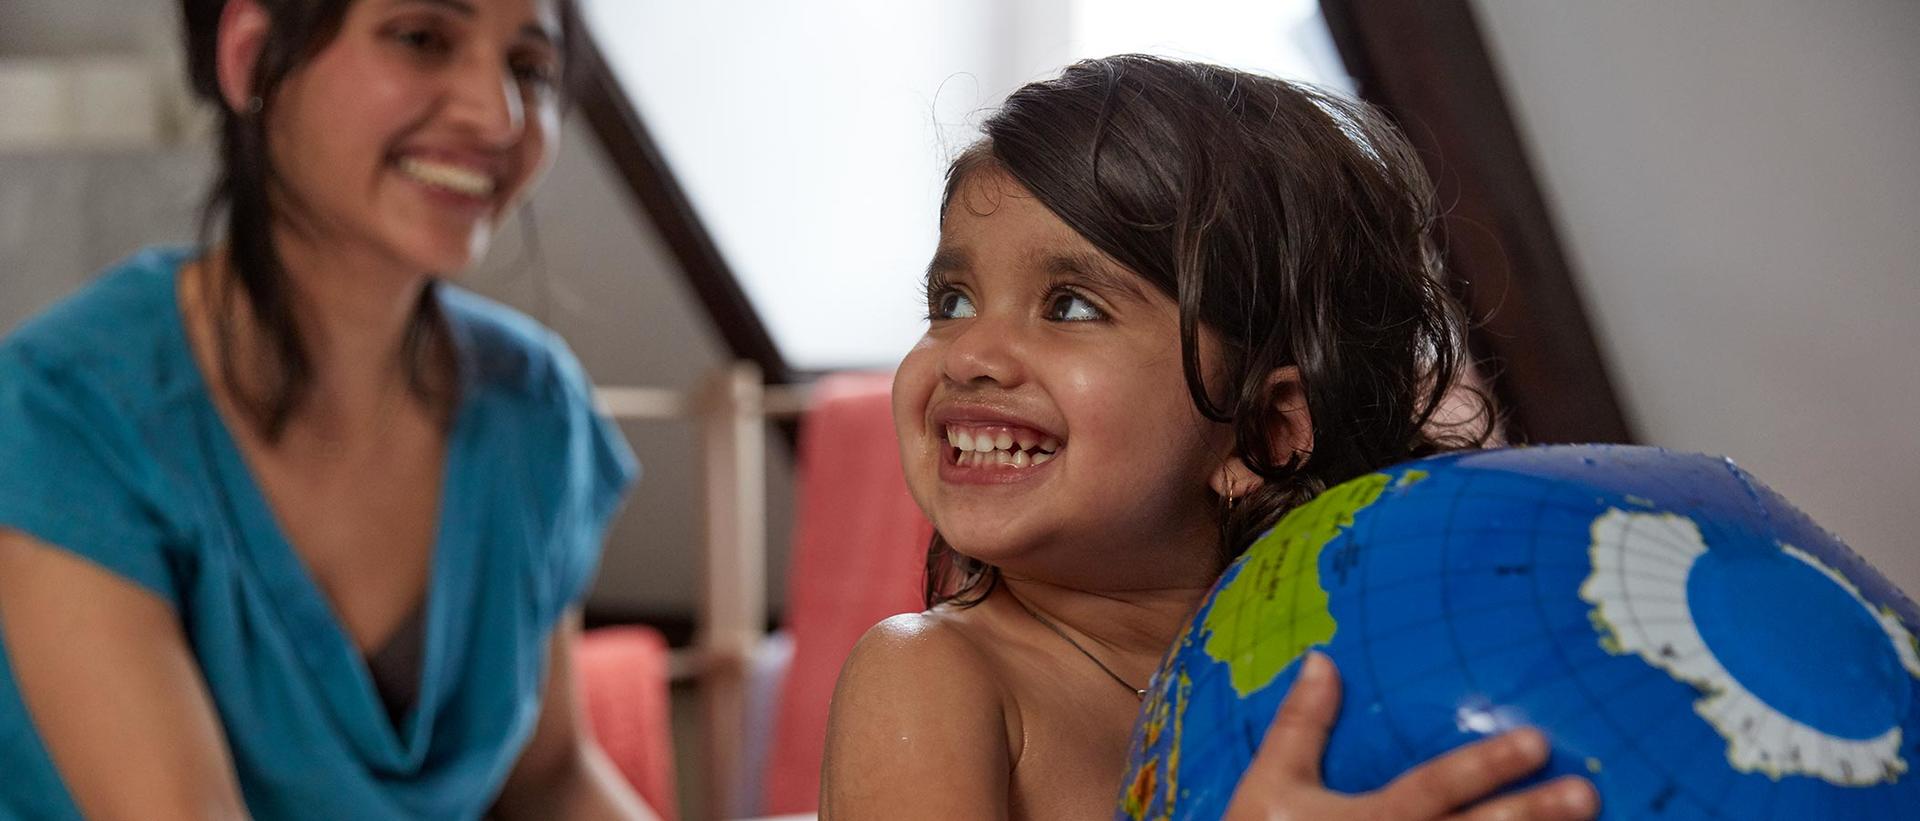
(947, 261)
(1094, 270)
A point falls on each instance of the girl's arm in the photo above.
(112, 688)
(562, 773)
(918, 729)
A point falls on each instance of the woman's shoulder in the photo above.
(118, 336)
(506, 348)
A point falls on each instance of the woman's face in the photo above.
(416, 131)
(1044, 420)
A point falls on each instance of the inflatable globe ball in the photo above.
(1685, 638)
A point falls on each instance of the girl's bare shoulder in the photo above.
(919, 719)
(947, 653)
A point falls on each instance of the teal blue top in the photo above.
(110, 447)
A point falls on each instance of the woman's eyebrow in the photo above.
(460, 7)
(1094, 270)
(465, 8)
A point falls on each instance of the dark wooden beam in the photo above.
(1426, 64)
(630, 146)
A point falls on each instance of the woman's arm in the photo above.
(918, 729)
(562, 773)
(112, 688)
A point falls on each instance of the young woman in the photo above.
(289, 527)
(1170, 303)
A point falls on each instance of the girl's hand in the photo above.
(1283, 782)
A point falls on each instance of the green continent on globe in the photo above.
(1276, 607)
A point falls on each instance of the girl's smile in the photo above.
(987, 446)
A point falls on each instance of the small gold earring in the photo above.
(1231, 500)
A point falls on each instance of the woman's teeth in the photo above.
(1007, 448)
(455, 178)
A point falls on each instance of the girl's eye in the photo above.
(950, 304)
(1067, 306)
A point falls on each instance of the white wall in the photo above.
(812, 137)
(1738, 184)
(44, 28)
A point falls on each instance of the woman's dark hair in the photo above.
(243, 196)
(1295, 224)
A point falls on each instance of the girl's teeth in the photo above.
(980, 448)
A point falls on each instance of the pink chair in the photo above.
(858, 553)
(623, 679)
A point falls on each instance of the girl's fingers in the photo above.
(1466, 775)
(1567, 798)
(1297, 738)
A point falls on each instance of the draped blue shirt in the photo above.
(111, 448)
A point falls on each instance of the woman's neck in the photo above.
(354, 314)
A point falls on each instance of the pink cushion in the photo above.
(623, 679)
(859, 548)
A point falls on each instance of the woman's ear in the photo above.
(243, 32)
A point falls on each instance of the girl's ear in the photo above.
(1234, 480)
(243, 32)
(1289, 429)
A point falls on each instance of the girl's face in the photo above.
(419, 128)
(1044, 420)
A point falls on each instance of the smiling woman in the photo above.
(289, 526)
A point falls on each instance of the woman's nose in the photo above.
(485, 99)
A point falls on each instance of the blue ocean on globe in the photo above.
(1685, 637)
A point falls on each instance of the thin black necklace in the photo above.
(1138, 692)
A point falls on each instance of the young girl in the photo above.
(1170, 303)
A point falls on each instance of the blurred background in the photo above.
(1690, 224)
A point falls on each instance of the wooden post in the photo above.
(733, 601)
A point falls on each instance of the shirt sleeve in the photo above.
(74, 475)
(600, 468)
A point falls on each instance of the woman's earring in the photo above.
(1231, 501)
(255, 105)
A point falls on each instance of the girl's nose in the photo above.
(987, 351)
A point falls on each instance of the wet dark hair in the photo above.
(242, 198)
(1295, 224)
